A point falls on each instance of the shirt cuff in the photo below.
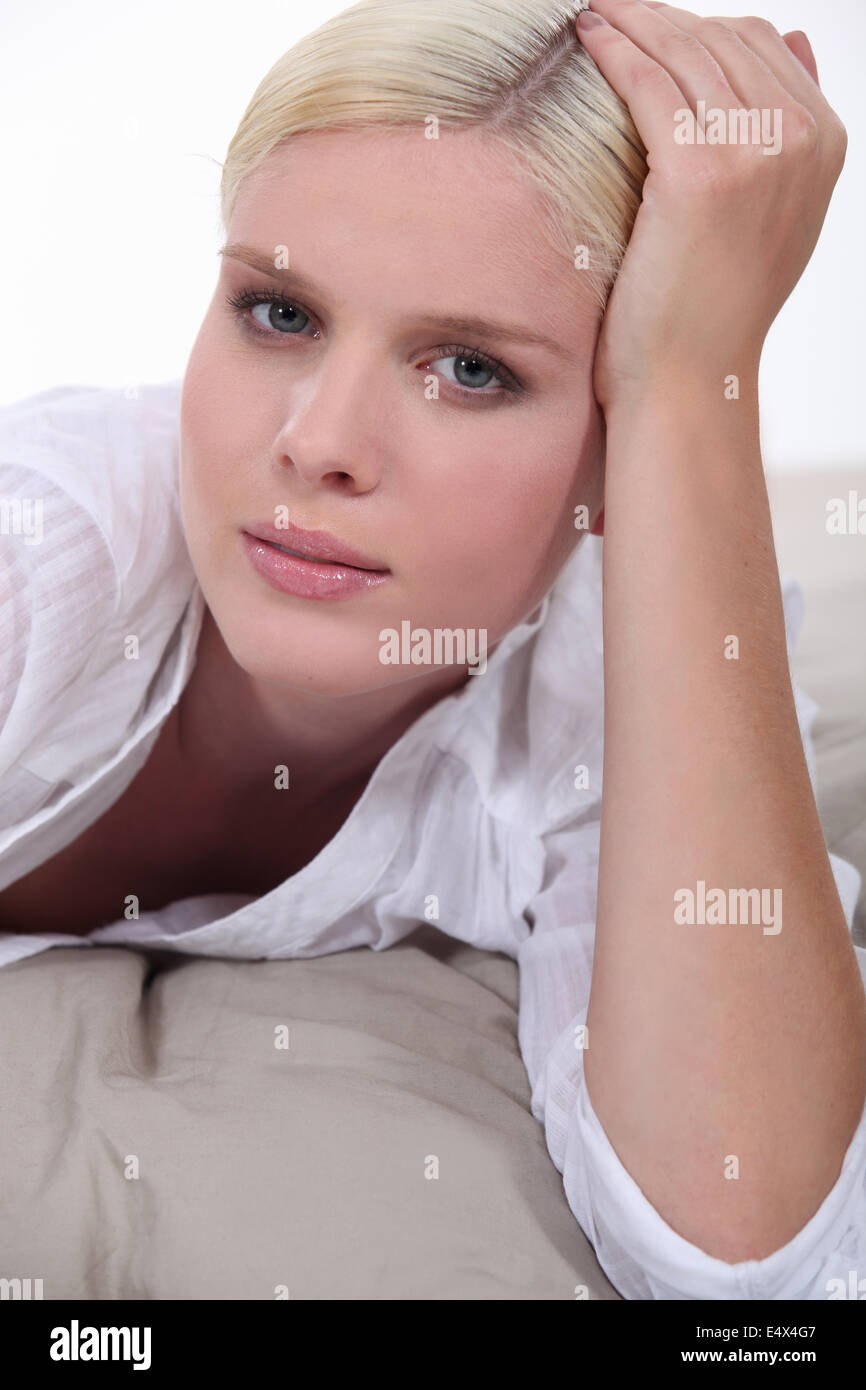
(643, 1256)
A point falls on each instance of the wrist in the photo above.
(683, 388)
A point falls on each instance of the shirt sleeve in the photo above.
(58, 590)
(92, 551)
(642, 1255)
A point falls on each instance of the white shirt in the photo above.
(473, 814)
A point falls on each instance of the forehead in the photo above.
(452, 223)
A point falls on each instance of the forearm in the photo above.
(712, 1040)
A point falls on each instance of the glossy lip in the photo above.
(315, 545)
(305, 578)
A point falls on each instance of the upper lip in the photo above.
(316, 545)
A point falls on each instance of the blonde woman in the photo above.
(489, 291)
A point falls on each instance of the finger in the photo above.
(649, 91)
(754, 83)
(769, 45)
(691, 67)
(802, 49)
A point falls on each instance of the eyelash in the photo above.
(247, 299)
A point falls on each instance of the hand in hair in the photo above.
(744, 151)
(722, 1045)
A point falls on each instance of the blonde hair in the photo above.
(512, 68)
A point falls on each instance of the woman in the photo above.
(381, 700)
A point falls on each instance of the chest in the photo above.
(167, 838)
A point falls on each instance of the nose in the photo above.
(333, 430)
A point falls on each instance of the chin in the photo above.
(316, 665)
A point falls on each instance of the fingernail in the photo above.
(587, 18)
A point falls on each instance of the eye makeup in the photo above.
(468, 359)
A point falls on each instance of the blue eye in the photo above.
(282, 312)
(472, 374)
(472, 364)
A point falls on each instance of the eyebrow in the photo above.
(447, 323)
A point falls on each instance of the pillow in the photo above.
(167, 1145)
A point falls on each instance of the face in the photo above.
(335, 396)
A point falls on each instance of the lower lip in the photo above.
(308, 578)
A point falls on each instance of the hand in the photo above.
(724, 230)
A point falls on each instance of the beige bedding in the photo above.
(258, 1167)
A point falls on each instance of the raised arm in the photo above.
(727, 1059)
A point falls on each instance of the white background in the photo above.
(115, 117)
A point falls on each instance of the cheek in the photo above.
(201, 412)
(215, 429)
(501, 523)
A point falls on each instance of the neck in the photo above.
(233, 730)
